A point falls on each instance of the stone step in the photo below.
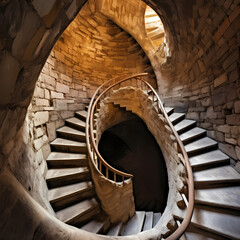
(114, 230)
(169, 110)
(200, 145)
(79, 213)
(97, 225)
(82, 115)
(215, 157)
(156, 218)
(148, 223)
(64, 196)
(64, 160)
(71, 133)
(223, 223)
(64, 176)
(216, 176)
(76, 123)
(193, 233)
(176, 117)
(225, 197)
(184, 125)
(66, 145)
(134, 225)
(192, 134)
(86, 108)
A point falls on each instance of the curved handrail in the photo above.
(179, 232)
(90, 135)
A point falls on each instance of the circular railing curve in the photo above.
(98, 161)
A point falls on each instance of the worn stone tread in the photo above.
(169, 110)
(227, 197)
(192, 133)
(134, 225)
(56, 156)
(63, 172)
(199, 235)
(148, 223)
(184, 125)
(70, 214)
(64, 191)
(176, 117)
(216, 221)
(77, 123)
(223, 174)
(97, 224)
(156, 218)
(71, 132)
(81, 115)
(211, 157)
(200, 145)
(62, 144)
(115, 230)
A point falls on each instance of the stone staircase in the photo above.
(217, 190)
(71, 190)
(154, 27)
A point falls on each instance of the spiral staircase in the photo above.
(214, 212)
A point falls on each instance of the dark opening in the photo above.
(130, 147)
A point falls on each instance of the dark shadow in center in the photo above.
(130, 147)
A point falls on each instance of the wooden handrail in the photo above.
(91, 145)
(179, 232)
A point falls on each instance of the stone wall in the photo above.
(204, 80)
(90, 51)
(116, 198)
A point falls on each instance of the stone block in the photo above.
(228, 149)
(82, 94)
(90, 93)
(46, 94)
(220, 80)
(193, 115)
(41, 118)
(237, 107)
(42, 102)
(63, 88)
(39, 132)
(75, 107)
(210, 113)
(66, 114)
(38, 143)
(39, 92)
(51, 131)
(218, 99)
(231, 141)
(206, 102)
(233, 119)
(65, 77)
(224, 128)
(60, 104)
(46, 150)
(57, 95)
(73, 93)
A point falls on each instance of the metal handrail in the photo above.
(179, 232)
